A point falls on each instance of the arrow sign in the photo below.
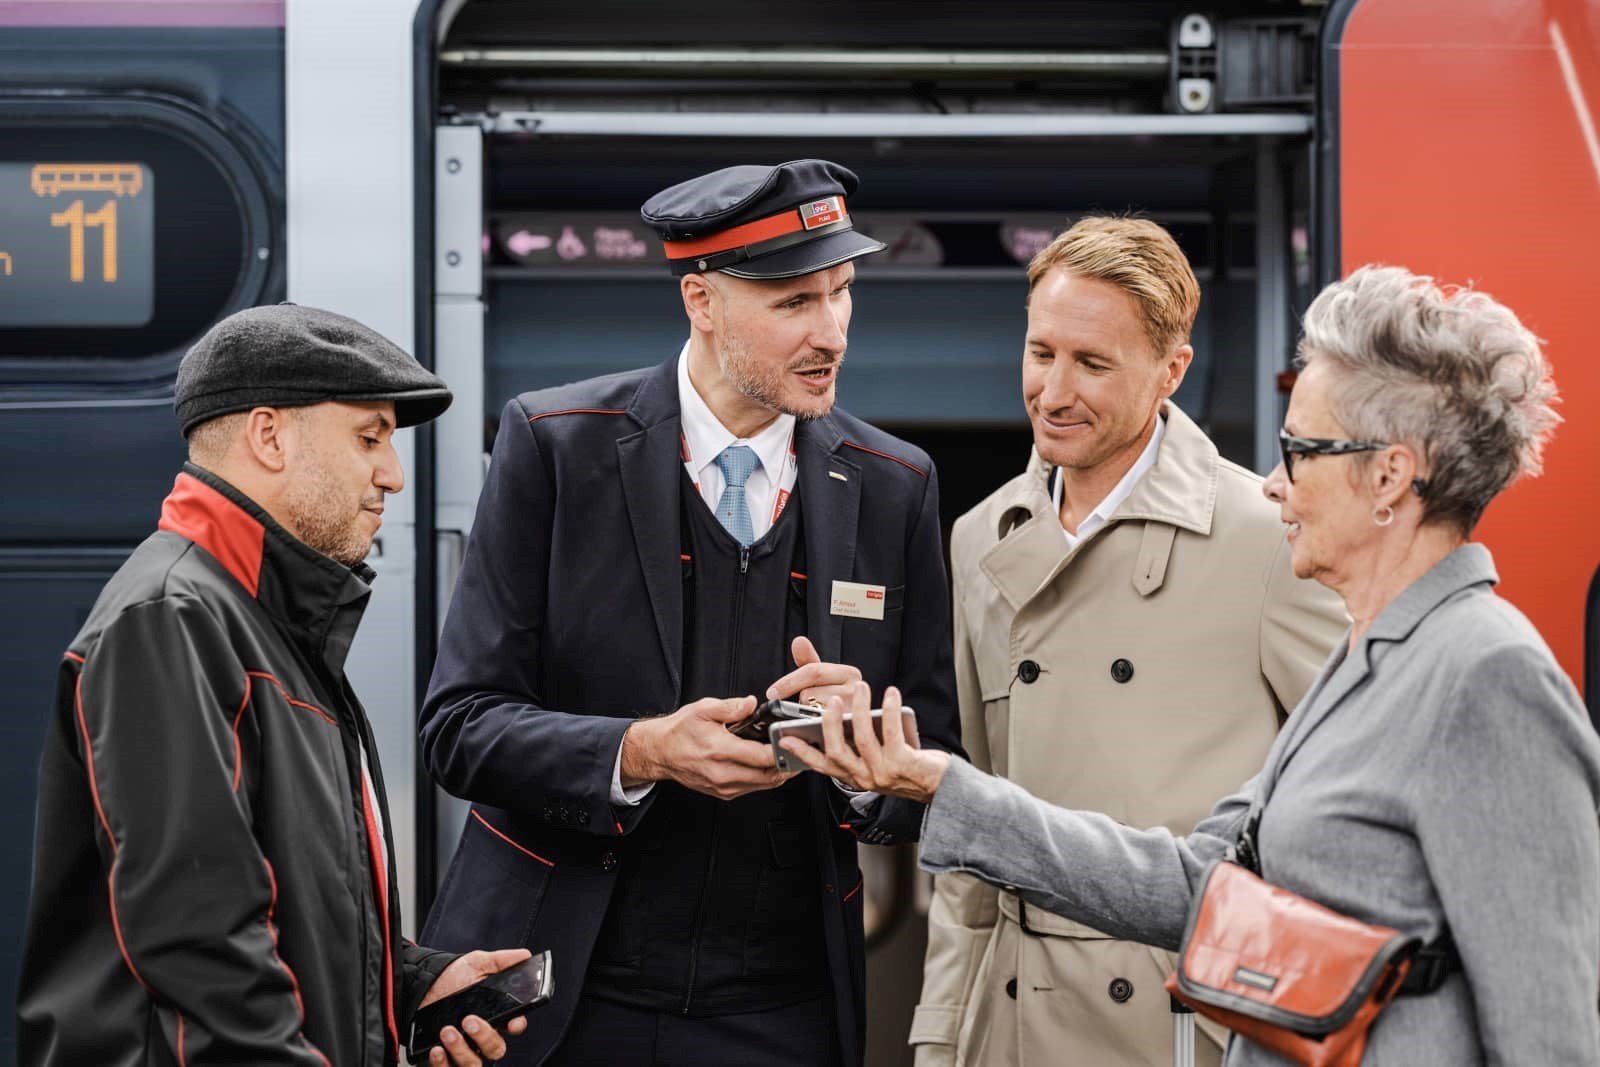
(522, 242)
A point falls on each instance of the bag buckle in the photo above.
(1429, 970)
(1245, 853)
(1431, 966)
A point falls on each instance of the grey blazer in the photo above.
(1444, 771)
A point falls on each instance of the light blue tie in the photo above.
(737, 463)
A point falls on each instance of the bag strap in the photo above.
(1433, 964)
(1245, 850)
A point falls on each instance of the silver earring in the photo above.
(1387, 514)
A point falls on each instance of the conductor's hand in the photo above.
(462, 972)
(896, 766)
(813, 681)
(693, 747)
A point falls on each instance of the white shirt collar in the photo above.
(707, 437)
(1121, 491)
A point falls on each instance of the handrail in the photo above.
(886, 124)
(812, 63)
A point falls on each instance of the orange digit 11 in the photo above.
(76, 221)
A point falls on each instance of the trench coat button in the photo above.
(583, 817)
(549, 816)
(1011, 989)
(566, 813)
(1120, 990)
(1121, 670)
(608, 861)
(1028, 671)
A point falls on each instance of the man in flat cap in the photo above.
(652, 551)
(213, 878)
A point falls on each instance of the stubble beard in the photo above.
(761, 383)
(321, 516)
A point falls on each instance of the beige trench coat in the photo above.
(1142, 674)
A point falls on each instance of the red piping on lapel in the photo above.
(577, 411)
(885, 455)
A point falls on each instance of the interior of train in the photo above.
(573, 285)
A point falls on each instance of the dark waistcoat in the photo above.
(719, 906)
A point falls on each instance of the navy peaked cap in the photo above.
(285, 355)
(760, 222)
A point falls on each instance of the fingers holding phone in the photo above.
(853, 752)
(457, 1051)
(475, 1002)
(694, 747)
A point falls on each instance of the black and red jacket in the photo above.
(208, 860)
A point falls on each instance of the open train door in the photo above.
(1460, 141)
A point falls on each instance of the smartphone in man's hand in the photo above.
(496, 999)
(755, 727)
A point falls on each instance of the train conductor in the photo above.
(653, 550)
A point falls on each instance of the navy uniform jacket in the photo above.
(567, 624)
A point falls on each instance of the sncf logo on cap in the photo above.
(821, 212)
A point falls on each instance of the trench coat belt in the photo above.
(1039, 922)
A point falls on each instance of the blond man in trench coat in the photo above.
(1128, 638)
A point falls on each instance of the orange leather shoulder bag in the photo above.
(1289, 974)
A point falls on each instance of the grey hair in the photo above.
(1447, 370)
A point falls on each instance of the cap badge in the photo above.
(821, 212)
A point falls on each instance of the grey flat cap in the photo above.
(285, 355)
(758, 221)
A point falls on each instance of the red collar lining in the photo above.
(228, 532)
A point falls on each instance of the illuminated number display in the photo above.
(76, 244)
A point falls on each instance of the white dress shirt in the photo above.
(1113, 500)
(704, 438)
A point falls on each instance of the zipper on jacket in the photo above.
(700, 912)
(739, 592)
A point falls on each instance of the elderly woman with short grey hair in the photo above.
(1440, 777)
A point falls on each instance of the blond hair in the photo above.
(1138, 257)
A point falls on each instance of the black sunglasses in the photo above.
(1290, 446)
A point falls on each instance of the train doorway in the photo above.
(551, 127)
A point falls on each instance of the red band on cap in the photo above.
(807, 216)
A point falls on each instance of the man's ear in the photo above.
(267, 433)
(698, 294)
(1175, 365)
